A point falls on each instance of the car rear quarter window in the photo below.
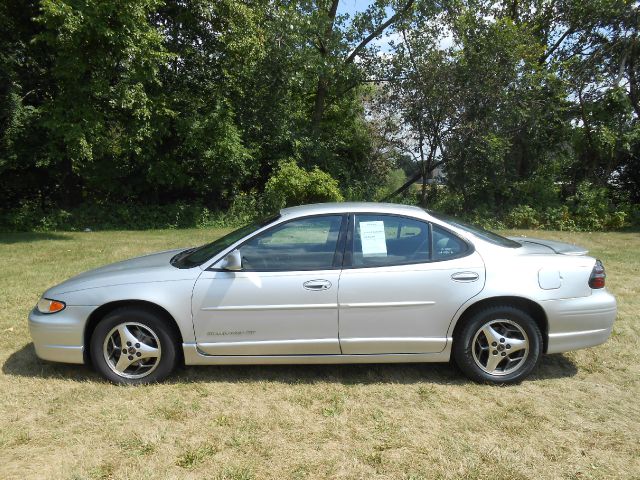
(446, 244)
(385, 240)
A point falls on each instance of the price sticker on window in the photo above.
(373, 239)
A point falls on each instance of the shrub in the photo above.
(594, 210)
(522, 216)
(559, 218)
(293, 185)
(30, 217)
(244, 209)
(484, 218)
(448, 202)
(616, 220)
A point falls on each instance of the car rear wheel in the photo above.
(499, 345)
(133, 346)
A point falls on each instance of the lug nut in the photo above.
(130, 357)
(124, 350)
(137, 345)
(495, 352)
(508, 346)
(494, 344)
(128, 344)
(138, 354)
(503, 354)
(502, 340)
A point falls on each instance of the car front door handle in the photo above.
(317, 285)
(465, 277)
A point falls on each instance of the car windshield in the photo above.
(477, 231)
(194, 257)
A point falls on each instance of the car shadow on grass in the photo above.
(550, 367)
(24, 362)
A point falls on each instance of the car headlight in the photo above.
(46, 305)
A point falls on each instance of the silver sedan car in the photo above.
(332, 283)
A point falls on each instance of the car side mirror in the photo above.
(233, 261)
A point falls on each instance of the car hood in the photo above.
(542, 246)
(155, 267)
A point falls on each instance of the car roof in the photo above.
(348, 207)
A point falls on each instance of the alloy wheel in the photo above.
(132, 350)
(500, 347)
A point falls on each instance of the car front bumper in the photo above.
(58, 337)
(576, 323)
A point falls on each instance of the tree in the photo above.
(165, 101)
(103, 108)
(339, 44)
(24, 88)
(598, 60)
(422, 95)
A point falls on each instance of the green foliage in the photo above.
(590, 209)
(523, 216)
(106, 100)
(559, 218)
(594, 210)
(244, 208)
(293, 185)
(183, 110)
(394, 181)
(30, 216)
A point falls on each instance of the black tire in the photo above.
(471, 345)
(154, 332)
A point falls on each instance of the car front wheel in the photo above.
(498, 345)
(133, 346)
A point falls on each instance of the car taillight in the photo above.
(596, 280)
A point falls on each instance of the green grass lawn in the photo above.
(577, 417)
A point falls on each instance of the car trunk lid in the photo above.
(542, 246)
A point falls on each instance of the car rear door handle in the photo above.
(317, 285)
(465, 277)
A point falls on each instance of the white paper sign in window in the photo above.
(373, 240)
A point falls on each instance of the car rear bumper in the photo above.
(583, 322)
(58, 337)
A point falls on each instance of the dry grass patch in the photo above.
(577, 417)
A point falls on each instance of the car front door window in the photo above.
(298, 245)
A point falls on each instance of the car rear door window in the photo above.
(384, 240)
(302, 244)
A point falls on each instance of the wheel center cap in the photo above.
(132, 350)
(500, 347)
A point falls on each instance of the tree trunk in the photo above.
(423, 165)
(591, 151)
(318, 106)
(634, 88)
(426, 198)
(323, 81)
